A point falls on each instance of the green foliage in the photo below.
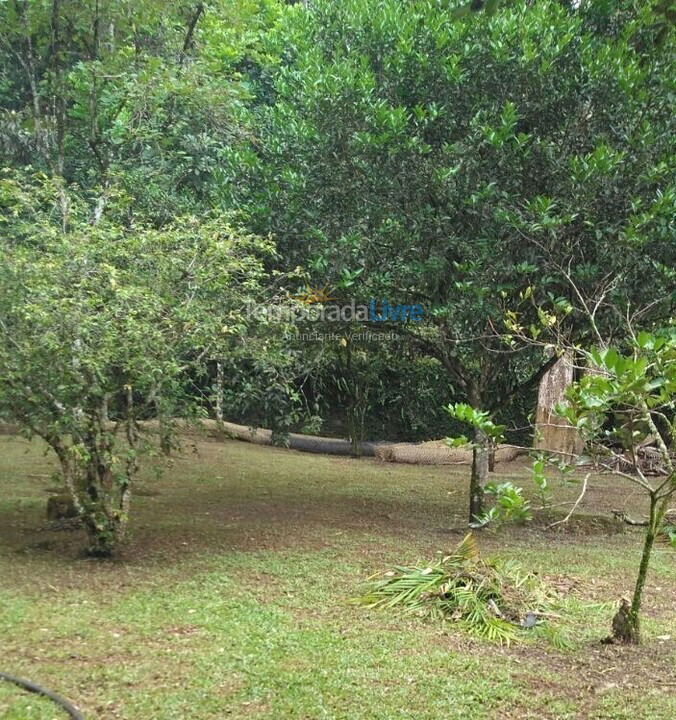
(417, 150)
(402, 388)
(638, 385)
(670, 533)
(141, 97)
(123, 285)
(478, 419)
(510, 504)
(462, 162)
(540, 479)
(102, 326)
(486, 597)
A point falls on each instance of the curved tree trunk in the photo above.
(627, 620)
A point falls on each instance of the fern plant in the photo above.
(487, 597)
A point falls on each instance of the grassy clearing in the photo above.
(231, 600)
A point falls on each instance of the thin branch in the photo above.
(575, 504)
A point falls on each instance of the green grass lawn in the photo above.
(231, 598)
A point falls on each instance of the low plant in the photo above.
(510, 505)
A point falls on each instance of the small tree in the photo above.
(639, 387)
(100, 326)
(486, 433)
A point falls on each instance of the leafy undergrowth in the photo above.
(489, 597)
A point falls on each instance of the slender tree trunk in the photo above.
(164, 427)
(480, 459)
(479, 477)
(220, 382)
(648, 543)
(188, 41)
(97, 519)
(627, 620)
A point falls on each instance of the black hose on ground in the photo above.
(74, 713)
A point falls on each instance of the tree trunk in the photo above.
(480, 460)
(102, 503)
(627, 621)
(220, 382)
(491, 456)
(105, 532)
(105, 513)
(164, 427)
(100, 495)
(552, 432)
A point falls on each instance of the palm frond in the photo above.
(487, 597)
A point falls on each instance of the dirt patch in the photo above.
(595, 670)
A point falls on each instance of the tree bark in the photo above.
(479, 477)
(553, 433)
(629, 631)
(192, 23)
(627, 620)
(491, 456)
(218, 400)
(101, 504)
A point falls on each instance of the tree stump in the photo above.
(554, 433)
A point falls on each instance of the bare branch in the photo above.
(575, 504)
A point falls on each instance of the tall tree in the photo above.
(471, 164)
(139, 98)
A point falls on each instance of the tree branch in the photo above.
(192, 23)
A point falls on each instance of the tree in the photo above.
(486, 432)
(102, 327)
(465, 163)
(639, 385)
(138, 96)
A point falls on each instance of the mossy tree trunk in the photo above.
(101, 498)
(105, 504)
(627, 621)
(99, 480)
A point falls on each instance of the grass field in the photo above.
(231, 598)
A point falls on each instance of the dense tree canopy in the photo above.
(139, 96)
(466, 164)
